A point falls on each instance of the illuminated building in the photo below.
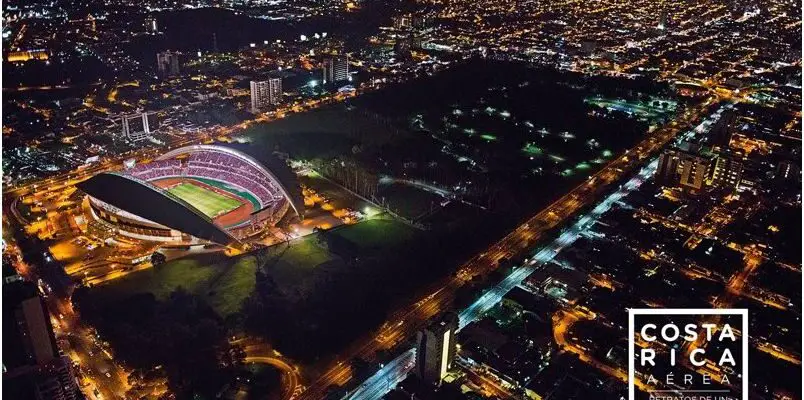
(167, 63)
(693, 172)
(336, 69)
(435, 349)
(727, 172)
(787, 170)
(93, 26)
(194, 195)
(31, 332)
(402, 22)
(138, 127)
(265, 93)
(150, 25)
(21, 56)
(32, 365)
(686, 166)
(662, 25)
(668, 165)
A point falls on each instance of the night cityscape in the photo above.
(402, 199)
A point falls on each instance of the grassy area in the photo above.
(224, 285)
(292, 266)
(329, 131)
(208, 202)
(231, 189)
(409, 201)
(376, 234)
(318, 133)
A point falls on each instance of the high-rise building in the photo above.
(728, 171)
(167, 63)
(693, 172)
(787, 170)
(667, 171)
(403, 22)
(32, 366)
(139, 126)
(29, 339)
(92, 23)
(335, 69)
(265, 93)
(54, 380)
(562, 57)
(662, 25)
(150, 25)
(435, 349)
(686, 166)
(721, 131)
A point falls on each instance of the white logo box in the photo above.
(632, 312)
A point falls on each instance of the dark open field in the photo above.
(226, 283)
(223, 283)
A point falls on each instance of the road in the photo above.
(386, 378)
(173, 141)
(408, 320)
(96, 362)
(259, 352)
(489, 385)
(543, 255)
(100, 370)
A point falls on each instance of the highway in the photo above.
(404, 322)
(386, 378)
(372, 388)
(547, 253)
(407, 321)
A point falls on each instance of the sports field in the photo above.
(208, 202)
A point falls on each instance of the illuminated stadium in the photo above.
(194, 194)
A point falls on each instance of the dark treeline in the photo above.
(182, 334)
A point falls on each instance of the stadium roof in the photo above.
(145, 200)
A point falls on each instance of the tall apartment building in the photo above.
(435, 349)
(138, 127)
(721, 131)
(727, 171)
(32, 366)
(686, 166)
(151, 25)
(167, 63)
(335, 69)
(265, 93)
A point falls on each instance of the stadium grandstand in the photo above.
(195, 194)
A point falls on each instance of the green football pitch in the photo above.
(208, 202)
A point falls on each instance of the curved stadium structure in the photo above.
(195, 194)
